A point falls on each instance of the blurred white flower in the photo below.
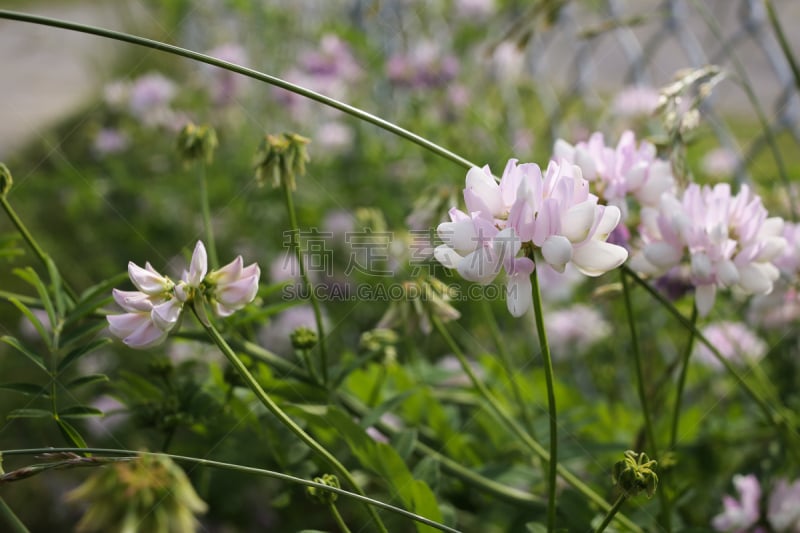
(734, 341)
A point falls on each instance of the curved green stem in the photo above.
(285, 419)
(648, 422)
(611, 512)
(295, 229)
(272, 80)
(551, 401)
(522, 435)
(243, 469)
(205, 207)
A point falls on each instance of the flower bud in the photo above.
(280, 158)
(197, 143)
(636, 473)
(303, 338)
(324, 496)
(5, 180)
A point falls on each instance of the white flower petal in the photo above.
(132, 301)
(597, 257)
(704, 296)
(577, 221)
(199, 265)
(662, 254)
(479, 266)
(461, 236)
(557, 252)
(448, 257)
(518, 294)
(146, 336)
(147, 279)
(166, 315)
(727, 273)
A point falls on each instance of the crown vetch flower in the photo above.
(233, 286)
(552, 213)
(155, 309)
(729, 240)
(625, 170)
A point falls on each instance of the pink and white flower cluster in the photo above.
(744, 514)
(154, 310)
(552, 213)
(729, 240)
(618, 172)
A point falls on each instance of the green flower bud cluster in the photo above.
(303, 338)
(324, 496)
(150, 494)
(636, 473)
(197, 143)
(280, 158)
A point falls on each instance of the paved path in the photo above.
(46, 74)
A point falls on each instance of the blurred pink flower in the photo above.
(575, 329)
(226, 86)
(783, 510)
(637, 100)
(720, 163)
(109, 141)
(734, 341)
(740, 515)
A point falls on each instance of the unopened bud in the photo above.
(303, 338)
(197, 143)
(636, 473)
(321, 495)
(280, 158)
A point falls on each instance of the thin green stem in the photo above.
(12, 215)
(266, 78)
(279, 413)
(243, 469)
(295, 229)
(505, 359)
(522, 435)
(11, 518)
(551, 400)
(205, 207)
(648, 421)
(26, 235)
(684, 371)
(338, 518)
(611, 512)
(774, 417)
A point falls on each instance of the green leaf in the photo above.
(58, 289)
(80, 351)
(94, 297)
(403, 443)
(30, 275)
(86, 380)
(29, 413)
(31, 389)
(25, 350)
(70, 433)
(80, 411)
(43, 333)
(380, 458)
(371, 417)
(78, 333)
(428, 471)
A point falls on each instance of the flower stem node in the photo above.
(636, 473)
(280, 158)
(303, 338)
(325, 497)
(6, 181)
(197, 143)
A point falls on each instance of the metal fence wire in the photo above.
(593, 49)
